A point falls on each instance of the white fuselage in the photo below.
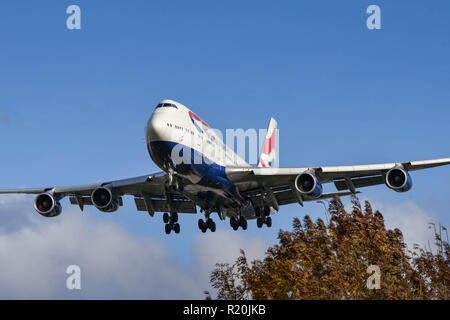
(184, 146)
(176, 124)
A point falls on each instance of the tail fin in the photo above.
(270, 148)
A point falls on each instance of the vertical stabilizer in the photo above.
(270, 148)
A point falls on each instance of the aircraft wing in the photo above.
(148, 191)
(274, 180)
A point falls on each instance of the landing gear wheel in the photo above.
(258, 212)
(176, 228)
(269, 222)
(209, 223)
(166, 217)
(244, 225)
(168, 228)
(174, 217)
(234, 223)
(266, 211)
(202, 225)
(259, 222)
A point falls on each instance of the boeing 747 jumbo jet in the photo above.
(215, 179)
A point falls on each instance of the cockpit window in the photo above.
(170, 105)
(166, 105)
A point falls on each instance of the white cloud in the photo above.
(113, 262)
(35, 252)
(12, 208)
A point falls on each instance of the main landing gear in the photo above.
(240, 222)
(266, 220)
(263, 217)
(171, 222)
(209, 224)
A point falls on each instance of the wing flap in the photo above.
(359, 182)
(87, 201)
(158, 205)
(285, 195)
(288, 197)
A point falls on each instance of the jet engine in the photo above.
(104, 199)
(47, 205)
(308, 184)
(398, 180)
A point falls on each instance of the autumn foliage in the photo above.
(330, 260)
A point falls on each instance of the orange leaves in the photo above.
(330, 261)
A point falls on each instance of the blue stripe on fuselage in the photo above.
(195, 164)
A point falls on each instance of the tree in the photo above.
(330, 261)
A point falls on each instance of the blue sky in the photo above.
(74, 103)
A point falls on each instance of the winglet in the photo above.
(270, 147)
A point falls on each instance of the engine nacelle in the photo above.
(308, 184)
(104, 199)
(399, 180)
(47, 205)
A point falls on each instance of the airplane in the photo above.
(214, 178)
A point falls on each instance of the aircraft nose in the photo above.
(156, 126)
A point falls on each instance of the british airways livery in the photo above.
(200, 171)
